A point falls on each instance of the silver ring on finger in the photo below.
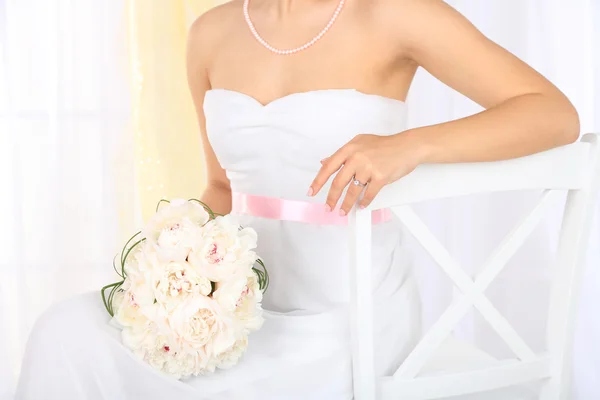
(356, 182)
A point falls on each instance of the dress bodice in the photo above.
(275, 149)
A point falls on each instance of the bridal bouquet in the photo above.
(190, 290)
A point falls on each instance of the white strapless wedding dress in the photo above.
(302, 352)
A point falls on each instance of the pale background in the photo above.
(96, 125)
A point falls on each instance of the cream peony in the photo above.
(232, 356)
(182, 365)
(200, 324)
(242, 297)
(248, 311)
(143, 262)
(127, 312)
(147, 345)
(163, 353)
(131, 302)
(225, 251)
(175, 281)
(139, 298)
(175, 228)
(229, 293)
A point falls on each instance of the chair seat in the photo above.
(456, 356)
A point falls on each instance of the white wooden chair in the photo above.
(573, 168)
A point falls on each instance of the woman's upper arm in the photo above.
(445, 43)
(198, 58)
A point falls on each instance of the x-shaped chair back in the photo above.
(572, 168)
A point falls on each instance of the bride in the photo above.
(288, 116)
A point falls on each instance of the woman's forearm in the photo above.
(520, 126)
(218, 198)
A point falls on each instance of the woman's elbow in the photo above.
(572, 126)
(568, 122)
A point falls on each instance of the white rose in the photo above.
(176, 280)
(225, 250)
(200, 324)
(232, 356)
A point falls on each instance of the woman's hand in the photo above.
(373, 161)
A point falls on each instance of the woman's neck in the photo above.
(283, 8)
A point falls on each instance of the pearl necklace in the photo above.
(297, 49)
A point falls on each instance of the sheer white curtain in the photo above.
(561, 39)
(63, 115)
(64, 110)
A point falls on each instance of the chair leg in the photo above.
(554, 389)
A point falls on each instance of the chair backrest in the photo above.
(573, 168)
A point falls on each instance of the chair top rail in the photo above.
(562, 168)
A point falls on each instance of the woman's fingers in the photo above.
(329, 166)
(354, 191)
(373, 188)
(341, 180)
(372, 160)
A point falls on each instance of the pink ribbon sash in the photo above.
(293, 210)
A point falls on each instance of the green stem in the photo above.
(160, 202)
(124, 259)
(127, 244)
(262, 274)
(115, 267)
(206, 207)
(108, 302)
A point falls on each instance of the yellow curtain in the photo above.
(168, 154)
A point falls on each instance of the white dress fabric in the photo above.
(302, 352)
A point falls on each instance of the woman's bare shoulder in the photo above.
(412, 8)
(212, 27)
(413, 17)
(417, 25)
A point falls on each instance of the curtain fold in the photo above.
(168, 148)
(64, 114)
